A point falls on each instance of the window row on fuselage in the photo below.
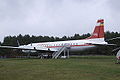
(58, 44)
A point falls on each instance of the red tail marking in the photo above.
(98, 31)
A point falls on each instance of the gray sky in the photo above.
(57, 17)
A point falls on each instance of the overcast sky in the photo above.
(57, 17)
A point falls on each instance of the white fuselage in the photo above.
(75, 45)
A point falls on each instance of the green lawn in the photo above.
(75, 68)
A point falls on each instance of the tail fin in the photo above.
(98, 31)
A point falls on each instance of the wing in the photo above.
(10, 47)
(40, 48)
(116, 49)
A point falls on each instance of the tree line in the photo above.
(27, 39)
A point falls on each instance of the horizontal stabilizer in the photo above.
(99, 44)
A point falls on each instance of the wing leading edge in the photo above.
(27, 48)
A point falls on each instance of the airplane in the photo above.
(96, 39)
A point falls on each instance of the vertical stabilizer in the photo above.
(98, 31)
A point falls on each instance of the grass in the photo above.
(75, 68)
